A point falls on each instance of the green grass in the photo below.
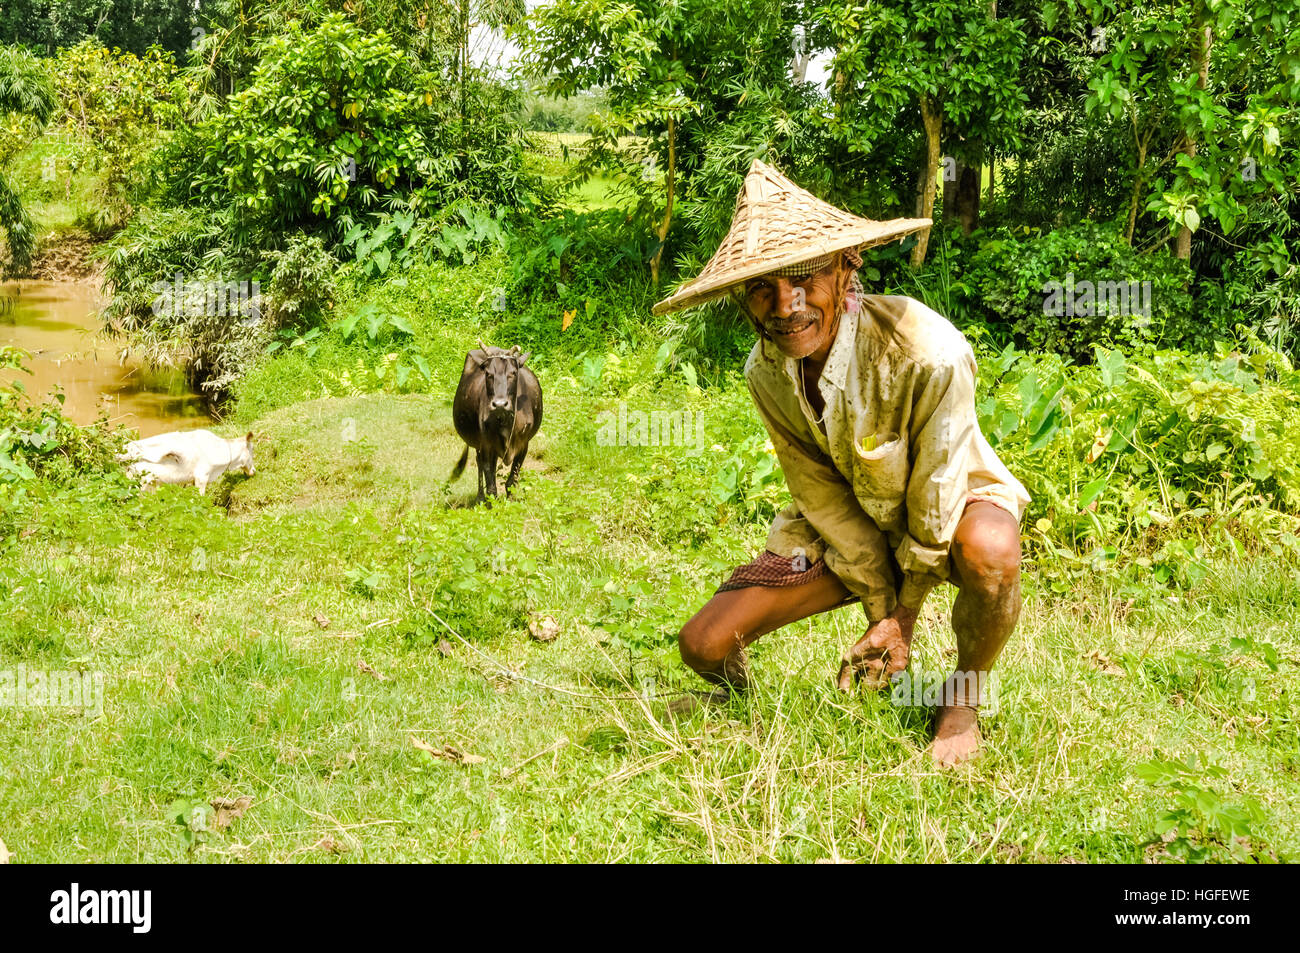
(288, 637)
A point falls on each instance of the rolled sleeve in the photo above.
(942, 432)
(857, 552)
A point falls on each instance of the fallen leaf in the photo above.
(1103, 663)
(365, 669)
(321, 620)
(568, 319)
(330, 845)
(225, 810)
(445, 648)
(447, 752)
(1098, 446)
(544, 629)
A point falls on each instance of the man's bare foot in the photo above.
(880, 654)
(956, 725)
(956, 735)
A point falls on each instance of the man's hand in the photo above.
(880, 653)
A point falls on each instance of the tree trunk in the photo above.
(993, 174)
(933, 120)
(969, 189)
(668, 210)
(950, 185)
(1201, 60)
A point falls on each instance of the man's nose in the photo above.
(787, 302)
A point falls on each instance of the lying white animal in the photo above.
(190, 456)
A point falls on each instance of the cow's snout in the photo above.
(500, 403)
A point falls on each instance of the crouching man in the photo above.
(870, 404)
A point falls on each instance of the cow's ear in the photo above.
(523, 358)
(249, 438)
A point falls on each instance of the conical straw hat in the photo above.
(776, 225)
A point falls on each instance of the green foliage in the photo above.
(304, 281)
(132, 25)
(1148, 463)
(562, 113)
(1071, 289)
(116, 104)
(38, 442)
(891, 54)
(1202, 825)
(337, 123)
(25, 85)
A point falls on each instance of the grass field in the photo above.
(343, 640)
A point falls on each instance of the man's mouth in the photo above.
(792, 327)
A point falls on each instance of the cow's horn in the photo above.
(481, 346)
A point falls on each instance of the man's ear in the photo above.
(844, 276)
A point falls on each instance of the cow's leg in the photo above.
(201, 478)
(515, 467)
(480, 463)
(492, 474)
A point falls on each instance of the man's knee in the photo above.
(986, 551)
(699, 645)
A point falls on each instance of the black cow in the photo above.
(497, 410)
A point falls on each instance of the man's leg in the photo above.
(985, 566)
(712, 642)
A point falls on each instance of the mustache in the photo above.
(798, 319)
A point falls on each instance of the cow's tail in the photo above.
(460, 466)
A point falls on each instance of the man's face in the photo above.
(798, 313)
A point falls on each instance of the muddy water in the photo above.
(58, 324)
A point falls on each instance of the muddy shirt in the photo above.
(896, 455)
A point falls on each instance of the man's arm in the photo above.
(860, 557)
(942, 427)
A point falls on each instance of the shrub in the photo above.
(302, 285)
(1072, 289)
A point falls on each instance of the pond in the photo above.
(58, 323)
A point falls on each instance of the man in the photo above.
(870, 404)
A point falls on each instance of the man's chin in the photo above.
(797, 345)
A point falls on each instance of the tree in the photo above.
(25, 89)
(1208, 88)
(952, 65)
(688, 75)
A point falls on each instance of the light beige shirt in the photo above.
(902, 378)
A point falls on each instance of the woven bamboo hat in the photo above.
(778, 225)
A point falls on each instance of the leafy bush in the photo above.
(1155, 458)
(339, 122)
(1072, 289)
(38, 442)
(115, 104)
(303, 281)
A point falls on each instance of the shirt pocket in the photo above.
(880, 475)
